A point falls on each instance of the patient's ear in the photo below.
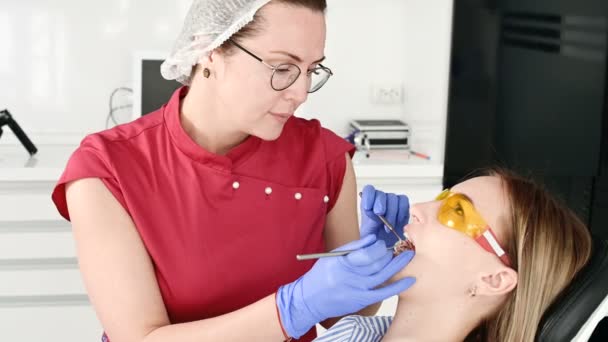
(502, 281)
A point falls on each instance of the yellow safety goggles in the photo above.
(458, 212)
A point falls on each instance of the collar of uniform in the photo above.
(183, 141)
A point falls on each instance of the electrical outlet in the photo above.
(387, 94)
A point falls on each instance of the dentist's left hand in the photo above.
(395, 209)
(338, 286)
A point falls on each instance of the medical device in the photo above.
(7, 119)
(399, 247)
(381, 134)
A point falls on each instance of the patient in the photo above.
(489, 287)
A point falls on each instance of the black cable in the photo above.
(113, 109)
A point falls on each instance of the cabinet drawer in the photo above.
(36, 245)
(27, 206)
(36, 240)
(40, 282)
(53, 323)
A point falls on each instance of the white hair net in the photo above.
(208, 25)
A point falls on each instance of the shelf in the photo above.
(48, 164)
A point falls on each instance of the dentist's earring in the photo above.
(206, 72)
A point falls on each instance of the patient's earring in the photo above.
(206, 72)
(473, 291)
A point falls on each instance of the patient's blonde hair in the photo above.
(548, 245)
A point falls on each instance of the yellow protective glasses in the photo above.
(458, 212)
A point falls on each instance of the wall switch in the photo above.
(387, 94)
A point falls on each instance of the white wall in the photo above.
(392, 42)
(60, 60)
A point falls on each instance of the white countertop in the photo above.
(395, 164)
(16, 165)
(47, 165)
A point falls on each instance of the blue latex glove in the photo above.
(338, 286)
(394, 208)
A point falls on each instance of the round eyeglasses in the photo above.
(286, 74)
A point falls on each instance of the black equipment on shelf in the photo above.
(7, 119)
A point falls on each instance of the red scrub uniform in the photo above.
(222, 231)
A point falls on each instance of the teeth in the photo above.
(403, 246)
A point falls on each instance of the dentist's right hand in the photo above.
(337, 286)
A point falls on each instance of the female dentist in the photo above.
(187, 221)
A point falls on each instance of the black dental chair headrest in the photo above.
(574, 307)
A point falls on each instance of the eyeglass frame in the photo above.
(487, 240)
(274, 68)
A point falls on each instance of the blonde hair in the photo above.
(548, 245)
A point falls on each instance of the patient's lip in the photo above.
(408, 238)
(404, 245)
(410, 244)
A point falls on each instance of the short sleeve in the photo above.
(90, 160)
(335, 149)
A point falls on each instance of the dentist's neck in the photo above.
(203, 119)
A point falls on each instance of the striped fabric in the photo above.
(357, 329)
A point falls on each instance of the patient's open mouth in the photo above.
(402, 246)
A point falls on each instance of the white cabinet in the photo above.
(42, 297)
(421, 180)
(49, 322)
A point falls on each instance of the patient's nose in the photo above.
(421, 212)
